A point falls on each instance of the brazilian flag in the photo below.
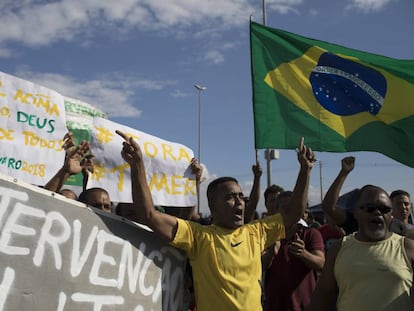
(339, 99)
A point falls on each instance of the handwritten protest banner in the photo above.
(167, 166)
(32, 124)
(56, 254)
(35, 119)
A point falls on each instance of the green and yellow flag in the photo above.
(338, 98)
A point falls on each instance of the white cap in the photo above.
(302, 222)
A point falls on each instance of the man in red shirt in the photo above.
(291, 266)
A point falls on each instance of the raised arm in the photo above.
(254, 193)
(87, 168)
(331, 198)
(299, 199)
(144, 212)
(72, 164)
(197, 170)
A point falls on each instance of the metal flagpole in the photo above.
(320, 179)
(267, 151)
(199, 89)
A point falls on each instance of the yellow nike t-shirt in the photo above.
(226, 263)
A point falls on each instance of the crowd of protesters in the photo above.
(356, 258)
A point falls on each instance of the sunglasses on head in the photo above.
(371, 207)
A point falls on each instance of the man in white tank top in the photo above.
(371, 269)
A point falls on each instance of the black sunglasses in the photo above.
(371, 207)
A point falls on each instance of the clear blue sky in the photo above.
(138, 60)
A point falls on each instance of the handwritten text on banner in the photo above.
(32, 125)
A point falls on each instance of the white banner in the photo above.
(32, 125)
(167, 166)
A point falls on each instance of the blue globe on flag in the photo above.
(345, 87)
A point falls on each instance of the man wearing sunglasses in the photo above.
(371, 269)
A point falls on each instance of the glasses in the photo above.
(371, 207)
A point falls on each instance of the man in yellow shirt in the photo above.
(225, 256)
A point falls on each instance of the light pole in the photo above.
(320, 179)
(199, 89)
(270, 154)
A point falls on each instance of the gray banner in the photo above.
(55, 254)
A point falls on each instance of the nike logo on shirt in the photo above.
(236, 244)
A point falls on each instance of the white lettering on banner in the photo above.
(11, 226)
(8, 279)
(98, 300)
(54, 241)
(77, 262)
(150, 289)
(62, 301)
(101, 258)
(126, 262)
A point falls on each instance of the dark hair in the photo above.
(83, 197)
(212, 187)
(399, 192)
(66, 190)
(272, 189)
(358, 193)
(285, 194)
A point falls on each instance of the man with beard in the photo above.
(371, 269)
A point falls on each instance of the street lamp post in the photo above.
(270, 154)
(320, 179)
(199, 89)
